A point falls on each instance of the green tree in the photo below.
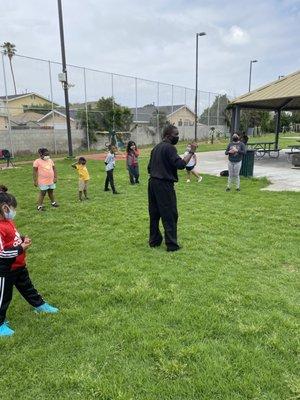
(216, 113)
(10, 51)
(162, 119)
(113, 116)
(252, 118)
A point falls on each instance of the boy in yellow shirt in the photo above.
(84, 177)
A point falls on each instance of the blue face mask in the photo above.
(10, 215)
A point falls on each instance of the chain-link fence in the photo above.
(32, 114)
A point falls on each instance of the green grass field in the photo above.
(215, 321)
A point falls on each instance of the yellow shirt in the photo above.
(83, 172)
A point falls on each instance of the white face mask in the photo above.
(46, 158)
(10, 215)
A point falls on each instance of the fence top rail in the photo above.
(113, 73)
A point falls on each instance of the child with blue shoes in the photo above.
(13, 271)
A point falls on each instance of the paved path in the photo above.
(278, 171)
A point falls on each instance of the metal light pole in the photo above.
(250, 73)
(65, 76)
(196, 88)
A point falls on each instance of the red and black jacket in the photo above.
(12, 255)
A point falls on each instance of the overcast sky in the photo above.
(156, 39)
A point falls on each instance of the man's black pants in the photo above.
(21, 280)
(162, 204)
(110, 180)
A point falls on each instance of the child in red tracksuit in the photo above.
(13, 271)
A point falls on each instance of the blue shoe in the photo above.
(5, 330)
(46, 308)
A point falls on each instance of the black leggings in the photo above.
(21, 280)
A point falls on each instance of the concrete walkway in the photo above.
(278, 171)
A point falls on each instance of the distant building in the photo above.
(179, 115)
(57, 120)
(18, 103)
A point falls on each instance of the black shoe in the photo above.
(227, 189)
(40, 208)
(155, 244)
(238, 189)
(107, 190)
(173, 248)
(55, 205)
(116, 192)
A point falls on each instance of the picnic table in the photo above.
(263, 148)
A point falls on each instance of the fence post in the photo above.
(136, 107)
(52, 106)
(86, 112)
(157, 114)
(6, 106)
(184, 127)
(208, 112)
(113, 100)
(172, 94)
(218, 110)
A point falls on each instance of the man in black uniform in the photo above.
(163, 165)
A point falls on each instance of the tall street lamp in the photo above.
(64, 77)
(196, 88)
(250, 73)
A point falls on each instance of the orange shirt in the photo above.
(45, 171)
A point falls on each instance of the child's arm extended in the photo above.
(74, 165)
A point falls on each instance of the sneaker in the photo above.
(200, 179)
(238, 189)
(227, 189)
(40, 208)
(116, 192)
(46, 308)
(54, 204)
(106, 190)
(5, 329)
(188, 180)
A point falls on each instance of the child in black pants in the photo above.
(110, 162)
(13, 271)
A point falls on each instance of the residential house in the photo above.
(179, 115)
(17, 103)
(57, 120)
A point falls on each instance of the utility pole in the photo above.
(64, 77)
(196, 86)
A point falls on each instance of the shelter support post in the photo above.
(233, 112)
(277, 127)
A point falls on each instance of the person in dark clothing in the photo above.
(162, 168)
(235, 151)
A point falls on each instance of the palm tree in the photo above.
(10, 51)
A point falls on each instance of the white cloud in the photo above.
(236, 35)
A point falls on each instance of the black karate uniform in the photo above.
(163, 165)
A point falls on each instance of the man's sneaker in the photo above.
(54, 204)
(107, 190)
(40, 208)
(116, 192)
(5, 330)
(227, 189)
(238, 189)
(200, 179)
(46, 308)
(188, 180)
